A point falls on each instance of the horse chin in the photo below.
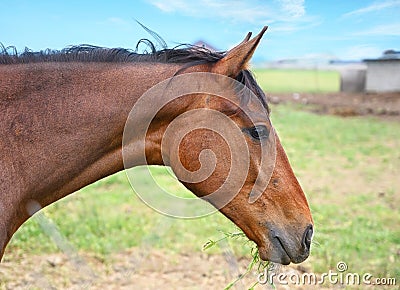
(272, 256)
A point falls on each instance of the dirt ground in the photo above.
(385, 105)
(132, 269)
(141, 268)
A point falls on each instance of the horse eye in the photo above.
(257, 132)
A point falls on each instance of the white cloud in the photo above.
(171, 6)
(307, 23)
(253, 11)
(361, 52)
(381, 30)
(295, 8)
(374, 7)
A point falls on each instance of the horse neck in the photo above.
(63, 124)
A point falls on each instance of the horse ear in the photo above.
(238, 57)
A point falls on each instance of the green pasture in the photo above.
(348, 167)
(297, 81)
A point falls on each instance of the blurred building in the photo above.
(352, 79)
(383, 74)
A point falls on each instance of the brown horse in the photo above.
(63, 115)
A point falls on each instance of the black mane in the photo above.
(90, 53)
(185, 54)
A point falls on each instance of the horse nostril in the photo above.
(308, 237)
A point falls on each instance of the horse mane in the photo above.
(189, 55)
(91, 53)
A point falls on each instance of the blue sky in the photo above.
(341, 29)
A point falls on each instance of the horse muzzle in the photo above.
(284, 248)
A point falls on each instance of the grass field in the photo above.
(297, 81)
